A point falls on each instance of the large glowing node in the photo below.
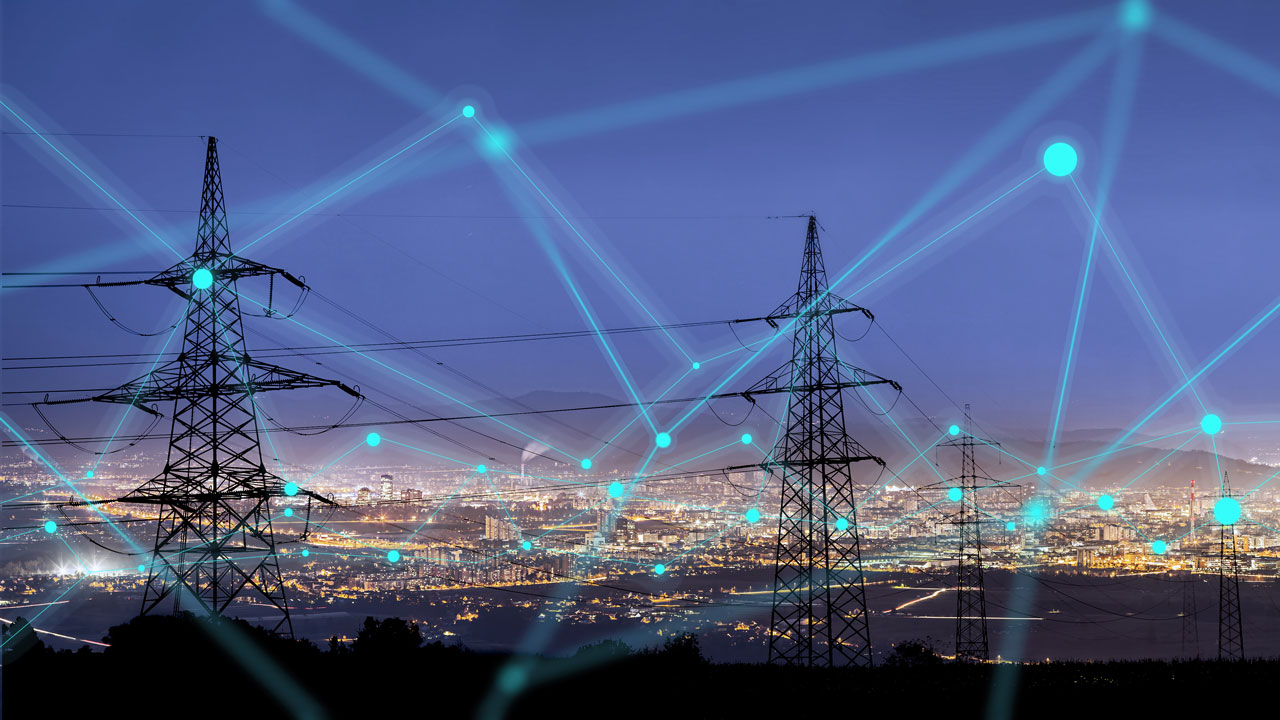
(1060, 159)
(202, 279)
(954, 430)
(1042, 470)
(1211, 424)
(1159, 547)
(1011, 526)
(305, 552)
(663, 440)
(954, 494)
(89, 474)
(1225, 511)
(482, 469)
(1036, 512)
(291, 488)
(1135, 15)
(526, 545)
(142, 568)
(697, 366)
(753, 515)
(586, 463)
(842, 524)
(746, 438)
(373, 439)
(288, 512)
(50, 526)
(394, 556)
(659, 569)
(1106, 502)
(615, 489)
(468, 111)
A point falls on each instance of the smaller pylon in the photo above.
(971, 599)
(1230, 626)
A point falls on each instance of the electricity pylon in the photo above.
(819, 613)
(971, 599)
(1230, 626)
(213, 497)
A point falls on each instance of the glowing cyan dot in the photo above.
(615, 489)
(1036, 512)
(586, 463)
(481, 469)
(50, 527)
(753, 515)
(291, 488)
(746, 438)
(1225, 511)
(1159, 547)
(659, 569)
(954, 430)
(842, 524)
(663, 440)
(1211, 424)
(1042, 470)
(142, 568)
(89, 474)
(288, 512)
(202, 279)
(1011, 526)
(373, 439)
(526, 545)
(394, 556)
(468, 111)
(1060, 159)
(1135, 15)
(1106, 502)
(697, 366)
(954, 494)
(305, 552)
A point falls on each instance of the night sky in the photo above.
(669, 133)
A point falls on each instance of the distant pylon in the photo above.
(1230, 625)
(819, 613)
(971, 599)
(213, 497)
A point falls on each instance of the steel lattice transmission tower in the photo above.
(1230, 626)
(819, 613)
(213, 537)
(971, 599)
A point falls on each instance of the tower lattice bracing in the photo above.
(819, 613)
(213, 541)
(1230, 626)
(971, 599)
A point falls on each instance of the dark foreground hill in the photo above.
(182, 667)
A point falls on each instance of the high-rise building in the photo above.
(384, 492)
(363, 496)
(499, 529)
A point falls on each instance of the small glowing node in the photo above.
(291, 488)
(1060, 159)
(659, 569)
(50, 527)
(202, 279)
(1106, 502)
(842, 524)
(468, 111)
(746, 438)
(288, 512)
(586, 463)
(305, 552)
(1042, 470)
(481, 469)
(697, 366)
(1211, 424)
(663, 440)
(526, 545)
(753, 515)
(1159, 547)
(954, 430)
(615, 489)
(89, 474)
(954, 494)
(394, 556)
(1011, 526)
(142, 568)
(373, 439)
(1225, 511)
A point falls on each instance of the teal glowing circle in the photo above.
(394, 556)
(663, 440)
(697, 366)
(746, 438)
(659, 568)
(468, 111)
(1211, 424)
(291, 488)
(89, 474)
(142, 568)
(1060, 159)
(481, 469)
(842, 524)
(1225, 511)
(1042, 470)
(586, 463)
(50, 526)
(1106, 502)
(305, 552)
(1159, 547)
(615, 489)
(373, 439)
(526, 545)
(954, 494)
(1011, 526)
(288, 512)
(202, 279)
(753, 515)
(954, 430)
